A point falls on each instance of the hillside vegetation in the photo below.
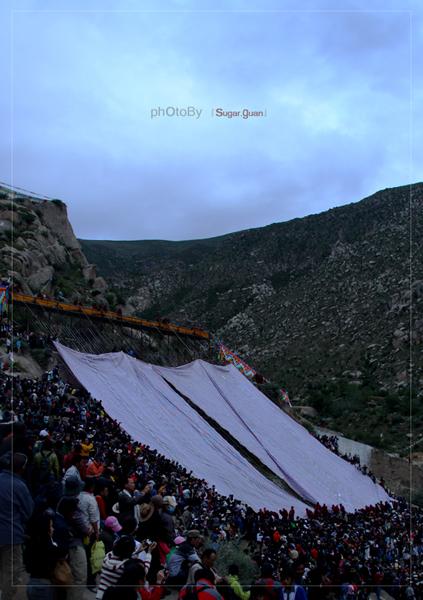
(328, 306)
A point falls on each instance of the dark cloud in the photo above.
(336, 87)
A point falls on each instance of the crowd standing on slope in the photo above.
(84, 505)
(332, 444)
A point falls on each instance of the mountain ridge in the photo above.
(320, 304)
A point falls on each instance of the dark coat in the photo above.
(127, 504)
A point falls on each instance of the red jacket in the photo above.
(205, 591)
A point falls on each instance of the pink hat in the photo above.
(179, 540)
(113, 523)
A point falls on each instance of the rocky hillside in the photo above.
(328, 306)
(40, 252)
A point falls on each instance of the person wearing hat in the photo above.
(78, 530)
(150, 526)
(169, 505)
(108, 534)
(187, 517)
(128, 502)
(153, 491)
(186, 553)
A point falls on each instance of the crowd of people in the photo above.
(83, 505)
(331, 442)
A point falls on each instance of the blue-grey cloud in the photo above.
(334, 80)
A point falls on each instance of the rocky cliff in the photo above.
(39, 250)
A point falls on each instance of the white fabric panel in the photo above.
(152, 413)
(286, 447)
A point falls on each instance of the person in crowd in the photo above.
(41, 556)
(95, 467)
(108, 533)
(128, 501)
(66, 444)
(86, 447)
(271, 585)
(290, 590)
(169, 505)
(298, 569)
(13, 494)
(151, 528)
(257, 592)
(185, 555)
(113, 564)
(58, 445)
(203, 588)
(208, 558)
(233, 581)
(319, 589)
(63, 524)
(46, 464)
(75, 451)
(134, 576)
(102, 491)
(91, 514)
(75, 469)
(187, 518)
(89, 507)
(79, 532)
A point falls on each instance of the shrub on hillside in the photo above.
(230, 553)
(59, 203)
(42, 356)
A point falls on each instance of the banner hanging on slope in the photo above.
(282, 444)
(146, 407)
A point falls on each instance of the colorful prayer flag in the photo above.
(231, 357)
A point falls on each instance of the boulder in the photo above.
(39, 279)
(398, 333)
(23, 285)
(89, 272)
(99, 285)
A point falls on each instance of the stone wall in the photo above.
(397, 472)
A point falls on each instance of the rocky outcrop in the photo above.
(397, 472)
(55, 217)
(42, 279)
(39, 250)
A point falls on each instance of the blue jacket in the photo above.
(15, 509)
(61, 535)
(297, 593)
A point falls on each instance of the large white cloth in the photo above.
(287, 448)
(134, 394)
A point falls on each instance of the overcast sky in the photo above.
(332, 76)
